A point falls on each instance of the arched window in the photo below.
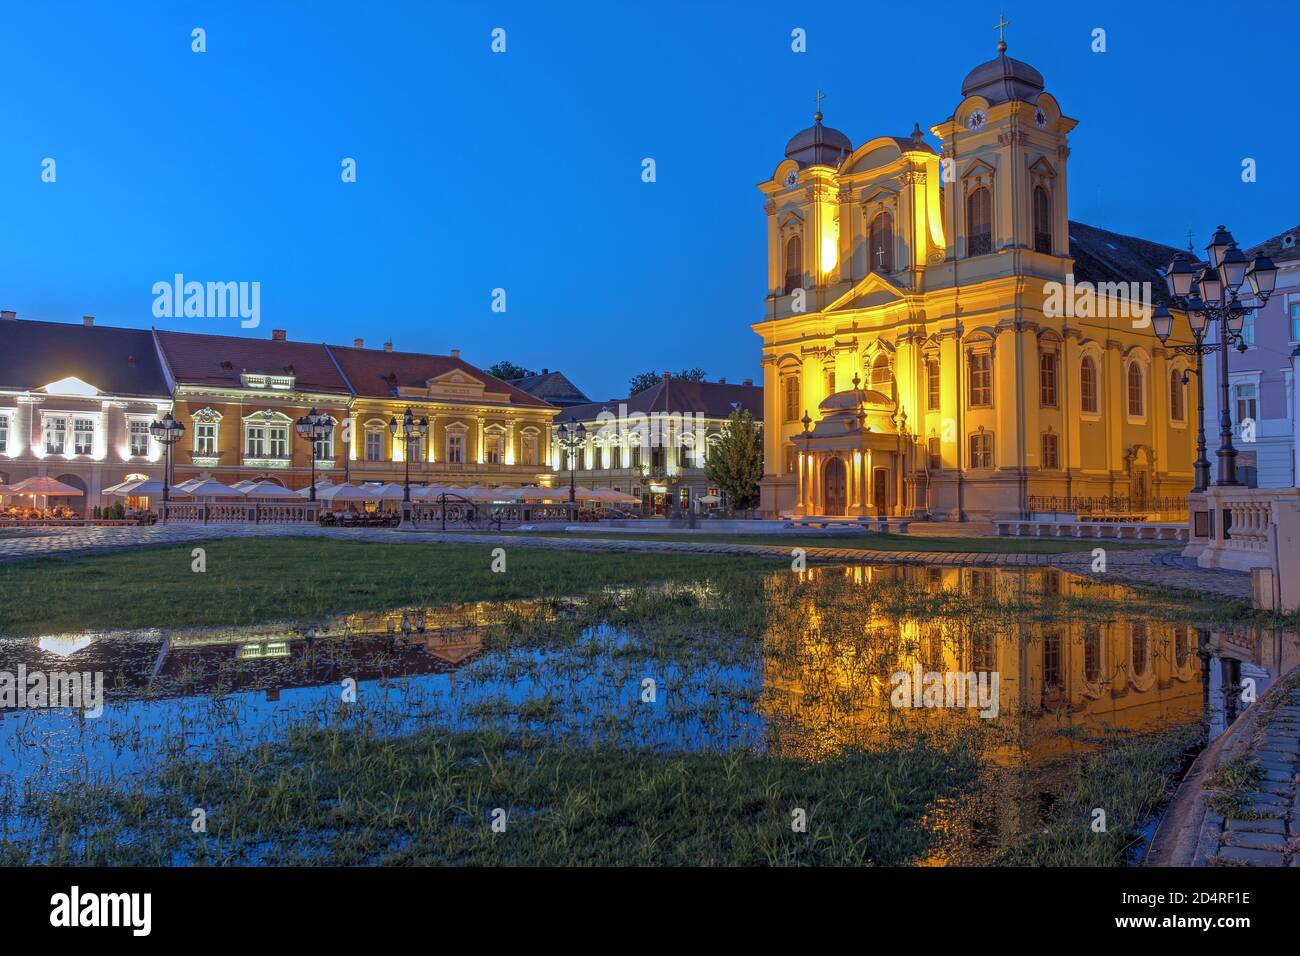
(1177, 396)
(979, 222)
(1088, 384)
(793, 264)
(1042, 221)
(792, 398)
(1092, 653)
(1140, 655)
(881, 247)
(882, 375)
(1136, 396)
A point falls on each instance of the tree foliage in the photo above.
(735, 463)
(509, 370)
(643, 381)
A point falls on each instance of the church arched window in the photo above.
(1088, 384)
(1042, 221)
(882, 375)
(979, 222)
(1177, 395)
(881, 248)
(793, 264)
(1136, 393)
(792, 398)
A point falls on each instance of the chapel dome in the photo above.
(847, 400)
(1002, 79)
(818, 145)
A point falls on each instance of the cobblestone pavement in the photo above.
(1152, 568)
(1267, 833)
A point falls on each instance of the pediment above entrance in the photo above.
(868, 293)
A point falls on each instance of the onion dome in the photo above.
(1002, 79)
(818, 145)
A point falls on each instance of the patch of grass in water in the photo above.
(349, 796)
(1130, 778)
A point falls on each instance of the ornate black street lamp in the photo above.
(167, 432)
(572, 437)
(1210, 295)
(410, 430)
(315, 428)
(807, 460)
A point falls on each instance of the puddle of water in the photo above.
(819, 679)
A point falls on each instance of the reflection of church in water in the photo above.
(827, 681)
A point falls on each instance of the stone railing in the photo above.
(244, 512)
(1250, 529)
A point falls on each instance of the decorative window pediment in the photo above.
(71, 385)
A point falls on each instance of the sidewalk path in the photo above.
(1150, 568)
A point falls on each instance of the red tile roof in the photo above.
(376, 372)
(677, 396)
(197, 359)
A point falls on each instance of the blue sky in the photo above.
(522, 170)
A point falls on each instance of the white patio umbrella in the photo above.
(243, 485)
(610, 496)
(268, 489)
(708, 499)
(190, 483)
(344, 492)
(389, 492)
(211, 488)
(44, 485)
(145, 488)
(320, 487)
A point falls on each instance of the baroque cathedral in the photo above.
(917, 358)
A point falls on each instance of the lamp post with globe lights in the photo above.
(167, 432)
(315, 428)
(1210, 294)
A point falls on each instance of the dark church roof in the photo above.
(677, 396)
(552, 387)
(1002, 79)
(1104, 256)
(818, 145)
(1283, 247)
(121, 362)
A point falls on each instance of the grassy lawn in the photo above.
(256, 580)
(872, 542)
(347, 796)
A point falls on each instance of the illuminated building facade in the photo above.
(75, 405)
(961, 348)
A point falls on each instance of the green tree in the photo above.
(509, 370)
(735, 463)
(643, 381)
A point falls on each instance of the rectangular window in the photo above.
(981, 380)
(56, 435)
(4, 434)
(493, 450)
(616, 456)
(255, 442)
(932, 384)
(792, 398)
(323, 448)
(456, 449)
(83, 436)
(1051, 452)
(1047, 379)
(1248, 329)
(1245, 400)
(830, 381)
(205, 438)
(530, 449)
(374, 446)
(1295, 321)
(981, 450)
(636, 452)
(934, 450)
(278, 442)
(139, 439)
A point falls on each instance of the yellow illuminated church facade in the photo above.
(931, 343)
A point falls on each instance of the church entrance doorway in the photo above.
(880, 491)
(835, 487)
